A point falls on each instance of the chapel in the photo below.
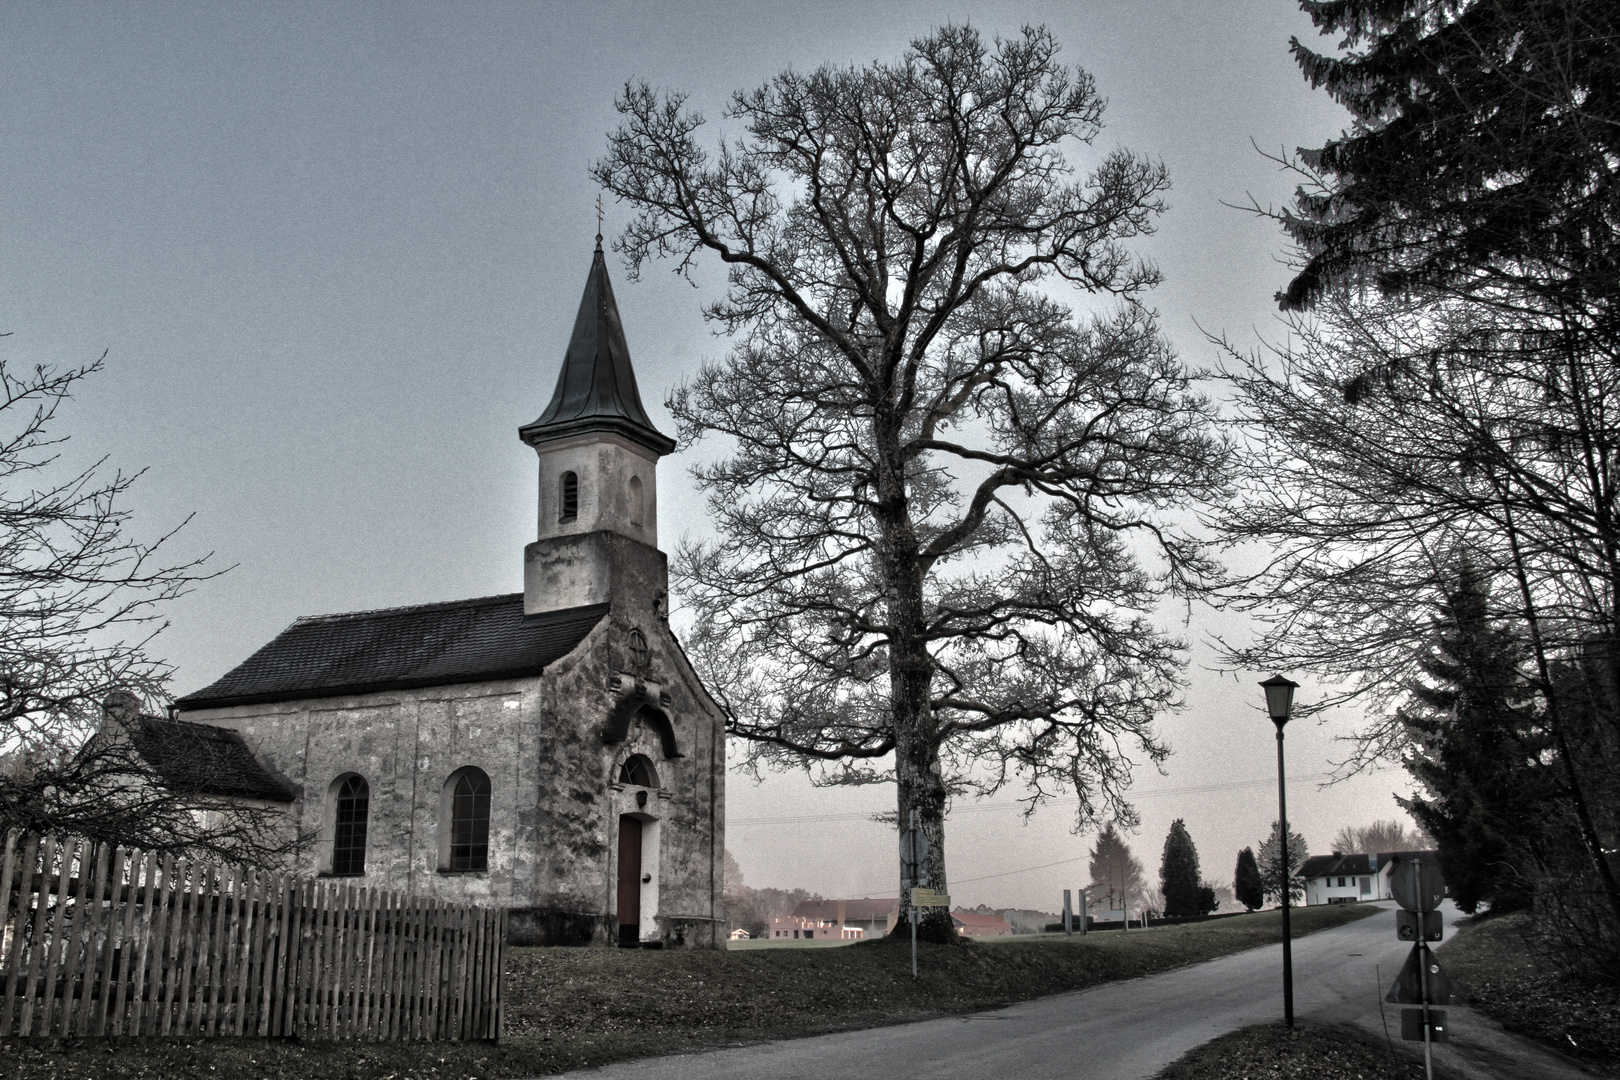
(550, 751)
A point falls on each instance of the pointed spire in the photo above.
(596, 389)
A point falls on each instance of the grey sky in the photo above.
(335, 249)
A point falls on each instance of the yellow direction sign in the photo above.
(929, 898)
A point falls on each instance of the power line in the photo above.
(988, 807)
(1025, 870)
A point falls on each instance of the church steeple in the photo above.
(598, 453)
(596, 389)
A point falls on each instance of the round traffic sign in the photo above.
(1416, 884)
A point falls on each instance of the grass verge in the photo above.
(1497, 965)
(1272, 1052)
(572, 1008)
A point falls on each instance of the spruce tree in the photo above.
(1480, 158)
(1246, 883)
(1116, 875)
(1475, 742)
(1178, 873)
(1272, 873)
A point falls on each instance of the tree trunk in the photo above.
(919, 785)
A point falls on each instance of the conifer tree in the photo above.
(1475, 752)
(1178, 873)
(1480, 159)
(1272, 874)
(1246, 882)
(1116, 875)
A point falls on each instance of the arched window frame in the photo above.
(638, 763)
(348, 819)
(637, 502)
(464, 820)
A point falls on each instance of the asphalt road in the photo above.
(1128, 1030)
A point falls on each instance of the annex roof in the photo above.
(204, 759)
(397, 648)
(596, 389)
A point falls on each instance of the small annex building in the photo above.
(550, 751)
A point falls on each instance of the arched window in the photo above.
(350, 810)
(637, 770)
(635, 500)
(570, 496)
(468, 791)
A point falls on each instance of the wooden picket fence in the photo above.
(103, 940)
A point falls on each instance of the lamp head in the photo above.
(1279, 698)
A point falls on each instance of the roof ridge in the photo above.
(214, 730)
(437, 604)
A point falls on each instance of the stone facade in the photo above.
(605, 756)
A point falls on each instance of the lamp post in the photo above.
(1279, 703)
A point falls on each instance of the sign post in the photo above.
(1419, 889)
(913, 876)
(1068, 913)
(1083, 915)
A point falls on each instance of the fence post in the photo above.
(56, 957)
(88, 937)
(12, 928)
(115, 908)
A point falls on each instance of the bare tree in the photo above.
(80, 602)
(1380, 836)
(949, 503)
(79, 598)
(1397, 441)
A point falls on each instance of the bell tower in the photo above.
(598, 454)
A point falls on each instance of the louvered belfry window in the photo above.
(570, 496)
(469, 821)
(349, 835)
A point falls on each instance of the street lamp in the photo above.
(1279, 703)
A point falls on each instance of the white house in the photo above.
(1341, 879)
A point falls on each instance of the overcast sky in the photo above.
(334, 251)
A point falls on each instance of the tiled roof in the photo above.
(395, 648)
(204, 759)
(1323, 865)
(596, 389)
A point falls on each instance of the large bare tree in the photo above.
(946, 502)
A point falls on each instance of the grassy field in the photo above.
(1499, 968)
(1272, 1052)
(570, 1008)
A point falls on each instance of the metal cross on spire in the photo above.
(598, 222)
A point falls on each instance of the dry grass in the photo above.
(571, 1008)
(1501, 969)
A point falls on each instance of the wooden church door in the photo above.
(629, 880)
